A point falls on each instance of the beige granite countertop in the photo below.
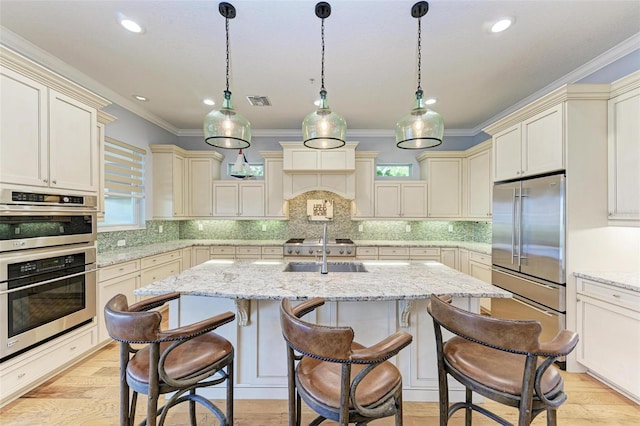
(132, 253)
(260, 279)
(626, 280)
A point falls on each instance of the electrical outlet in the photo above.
(264, 227)
(407, 228)
(121, 243)
(200, 227)
(450, 228)
(160, 229)
(360, 228)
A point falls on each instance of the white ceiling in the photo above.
(370, 54)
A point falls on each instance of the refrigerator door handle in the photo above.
(514, 215)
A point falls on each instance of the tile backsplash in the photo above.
(299, 226)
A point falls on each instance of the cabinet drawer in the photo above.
(159, 259)
(394, 252)
(223, 251)
(422, 252)
(367, 251)
(159, 272)
(611, 294)
(248, 252)
(485, 259)
(272, 252)
(114, 271)
(35, 367)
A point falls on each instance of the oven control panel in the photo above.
(46, 198)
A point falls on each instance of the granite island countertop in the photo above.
(255, 279)
(625, 280)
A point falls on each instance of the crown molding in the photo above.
(627, 46)
(44, 58)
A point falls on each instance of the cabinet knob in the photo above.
(45, 180)
(55, 182)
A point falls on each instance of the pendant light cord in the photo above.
(227, 70)
(322, 68)
(419, 55)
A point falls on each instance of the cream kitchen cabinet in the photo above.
(103, 120)
(401, 200)
(183, 181)
(463, 260)
(425, 253)
(393, 253)
(199, 254)
(533, 146)
(444, 187)
(121, 278)
(298, 157)
(272, 252)
(223, 252)
(624, 152)
(275, 206)
(160, 266)
(363, 203)
(479, 182)
(238, 200)
(608, 320)
(48, 138)
(366, 253)
(449, 257)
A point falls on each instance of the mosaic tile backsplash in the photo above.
(298, 226)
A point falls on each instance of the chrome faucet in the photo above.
(323, 267)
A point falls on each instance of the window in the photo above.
(393, 170)
(123, 185)
(256, 168)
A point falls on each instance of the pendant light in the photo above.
(241, 169)
(323, 128)
(225, 128)
(422, 127)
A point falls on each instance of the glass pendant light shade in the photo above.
(225, 128)
(421, 128)
(323, 128)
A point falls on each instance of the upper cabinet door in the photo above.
(387, 199)
(479, 185)
(24, 158)
(73, 148)
(542, 142)
(624, 158)
(200, 187)
(507, 153)
(444, 179)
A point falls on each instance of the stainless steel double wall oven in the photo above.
(47, 267)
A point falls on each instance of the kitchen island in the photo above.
(390, 296)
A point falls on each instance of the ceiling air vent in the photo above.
(259, 101)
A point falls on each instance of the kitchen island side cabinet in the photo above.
(401, 200)
(238, 200)
(624, 151)
(49, 129)
(608, 320)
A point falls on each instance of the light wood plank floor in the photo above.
(87, 394)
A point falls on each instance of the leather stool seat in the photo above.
(321, 380)
(498, 370)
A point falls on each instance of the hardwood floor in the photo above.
(87, 394)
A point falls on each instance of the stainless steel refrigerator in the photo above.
(528, 250)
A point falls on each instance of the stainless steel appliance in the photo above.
(310, 248)
(34, 220)
(528, 250)
(47, 267)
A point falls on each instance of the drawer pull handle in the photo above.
(617, 296)
(21, 375)
(72, 348)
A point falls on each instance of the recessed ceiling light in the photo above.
(141, 98)
(501, 25)
(430, 101)
(130, 25)
(209, 102)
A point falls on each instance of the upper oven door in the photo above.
(36, 227)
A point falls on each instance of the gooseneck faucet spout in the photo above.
(323, 268)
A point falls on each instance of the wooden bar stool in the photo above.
(179, 360)
(339, 379)
(500, 359)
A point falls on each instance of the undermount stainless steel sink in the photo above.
(331, 267)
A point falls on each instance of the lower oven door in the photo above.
(519, 308)
(43, 294)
